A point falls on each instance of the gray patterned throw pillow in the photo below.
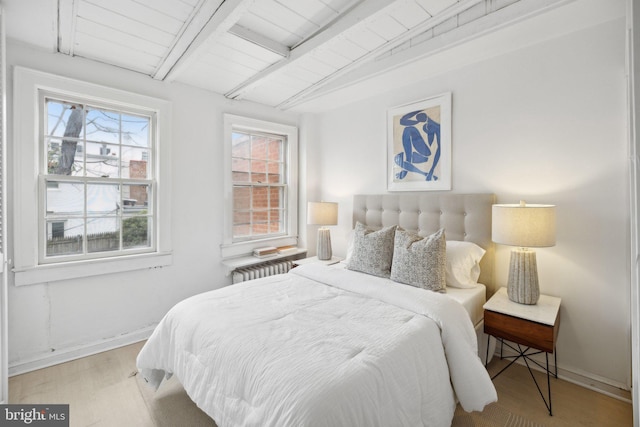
(372, 250)
(420, 261)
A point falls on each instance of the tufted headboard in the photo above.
(463, 216)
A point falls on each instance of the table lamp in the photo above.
(323, 214)
(524, 226)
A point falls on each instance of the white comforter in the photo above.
(321, 347)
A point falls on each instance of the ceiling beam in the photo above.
(210, 18)
(260, 40)
(374, 64)
(357, 14)
(67, 17)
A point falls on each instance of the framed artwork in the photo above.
(419, 145)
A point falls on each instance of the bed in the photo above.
(335, 346)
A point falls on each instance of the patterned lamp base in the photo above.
(523, 285)
(324, 244)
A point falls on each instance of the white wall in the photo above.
(48, 320)
(547, 124)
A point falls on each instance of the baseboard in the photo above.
(72, 353)
(592, 382)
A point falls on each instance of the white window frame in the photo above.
(28, 266)
(229, 248)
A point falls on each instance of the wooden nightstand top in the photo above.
(545, 311)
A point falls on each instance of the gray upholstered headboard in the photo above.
(463, 216)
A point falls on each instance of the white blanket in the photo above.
(321, 347)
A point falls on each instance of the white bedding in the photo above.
(321, 347)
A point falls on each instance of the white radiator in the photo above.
(261, 270)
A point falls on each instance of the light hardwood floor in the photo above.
(103, 390)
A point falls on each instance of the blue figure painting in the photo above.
(420, 143)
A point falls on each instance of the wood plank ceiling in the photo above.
(274, 52)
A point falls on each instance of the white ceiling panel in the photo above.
(331, 58)
(345, 47)
(365, 38)
(387, 27)
(125, 40)
(180, 10)
(229, 48)
(313, 10)
(410, 15)
(215, 79)
(139, 13)
(123, 23)
(275, 91)
(276, 52)
(280, 19)
(434, 7)
(111, 53)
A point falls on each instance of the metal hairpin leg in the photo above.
(527, 358)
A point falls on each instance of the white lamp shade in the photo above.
(322, 213)
(527, 226)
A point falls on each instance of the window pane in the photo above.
(136, 232)
(103, 234)
(276, 197)
(241, 198)
(258, 171)
(259, 147)
(102, 160)
(135, 198)
(260, 223)
(64, 237)
(59, 119)
(135, 163)
(65, 157)
(275, 147)
(240, 145)
(275, 173)
(135, 130)
(65, 198)
(240, 169)
(103, 199)
(242, 231)
(275, 224)
(260, 198)
(241, 217)
(102, 125)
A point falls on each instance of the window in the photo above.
(259, 185)
(95, 157)
(261, 179)
(98, 198)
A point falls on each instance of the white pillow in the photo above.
(463, 264)
(349, 245)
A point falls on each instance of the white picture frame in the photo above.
(419, 145)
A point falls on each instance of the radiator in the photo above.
(261, 270)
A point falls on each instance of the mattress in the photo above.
(472, 299)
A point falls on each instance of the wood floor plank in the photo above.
(103, 390)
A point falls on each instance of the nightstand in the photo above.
(315, 260)
(533, 326)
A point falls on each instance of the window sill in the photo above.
(78, 269)
(234, 250)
